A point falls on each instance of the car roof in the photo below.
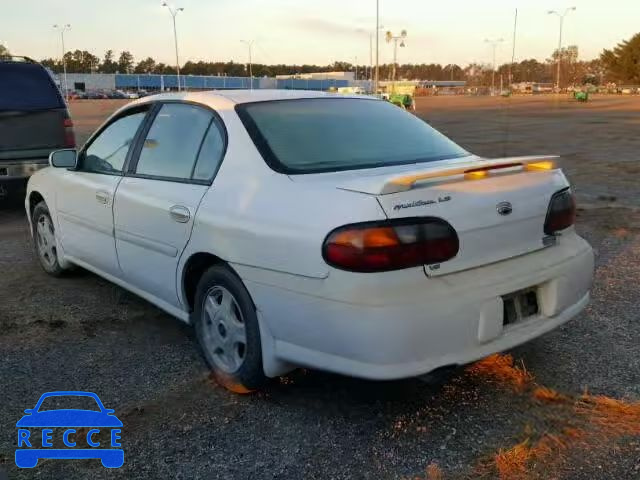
(219, 98)
(16, 59)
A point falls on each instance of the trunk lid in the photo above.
(497, 214)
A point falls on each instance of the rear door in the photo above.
(85, 195)
(156, 202)
(33, 116)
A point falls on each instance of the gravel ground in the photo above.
(83, 333)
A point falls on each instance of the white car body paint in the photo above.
(270, 227)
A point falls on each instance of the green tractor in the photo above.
(402, 100)
(581, 96)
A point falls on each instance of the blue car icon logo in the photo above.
(77, 428)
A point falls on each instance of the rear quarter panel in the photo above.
(256, 217)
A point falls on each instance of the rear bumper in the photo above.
(434, 322)
(10, 171)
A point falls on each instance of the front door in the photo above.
(157, 200)
(85, 196)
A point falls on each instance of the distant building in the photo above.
(441, 87)
(349, 76)
(442, 83)
(532, 87)
(84, 82)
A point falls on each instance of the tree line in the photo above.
(619, 64)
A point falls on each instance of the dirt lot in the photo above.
(567, 406)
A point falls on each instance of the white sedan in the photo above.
(306, 229)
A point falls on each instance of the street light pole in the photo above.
(395, 39)
(494, 44)
(561, 16)
(370, 58)
(250, 45)
(377, 76)
(62, 29)
(370, 76)
(174, 13)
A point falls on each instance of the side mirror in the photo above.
(63, 158)
(29, 411)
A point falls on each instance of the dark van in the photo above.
(34, 120)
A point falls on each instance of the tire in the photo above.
(441, 376)
(44, 238)
(227, 329)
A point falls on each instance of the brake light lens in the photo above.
(390, 245)
(561, 213)
(69, 135)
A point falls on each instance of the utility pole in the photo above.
(174, 13)
(249, 44)
(62, 29)
(561, 16)
(494, 44)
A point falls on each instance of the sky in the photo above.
(316, 32)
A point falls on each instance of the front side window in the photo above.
(330, 134)
(171, 147)
(108, 151)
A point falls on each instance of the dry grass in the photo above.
(229, 383)
(608, 416)
(590, 421)
(434, 472)
(501, 368)
(513, 463)
(548, 395)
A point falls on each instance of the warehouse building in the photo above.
(84, 82)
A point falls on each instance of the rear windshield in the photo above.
(330, 134)
(27, 87)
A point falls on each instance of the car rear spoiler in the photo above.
(470, 170)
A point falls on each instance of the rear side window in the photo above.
(330, 134)
(173, 142)
(27, 87)
(210, 154)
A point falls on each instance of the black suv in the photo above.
(34, 120)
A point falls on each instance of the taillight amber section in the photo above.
(390, 245)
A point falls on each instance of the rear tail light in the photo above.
(69, 136)
(561, 213)
(390, 245)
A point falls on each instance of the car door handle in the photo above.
(180, 214)
(103, 197)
